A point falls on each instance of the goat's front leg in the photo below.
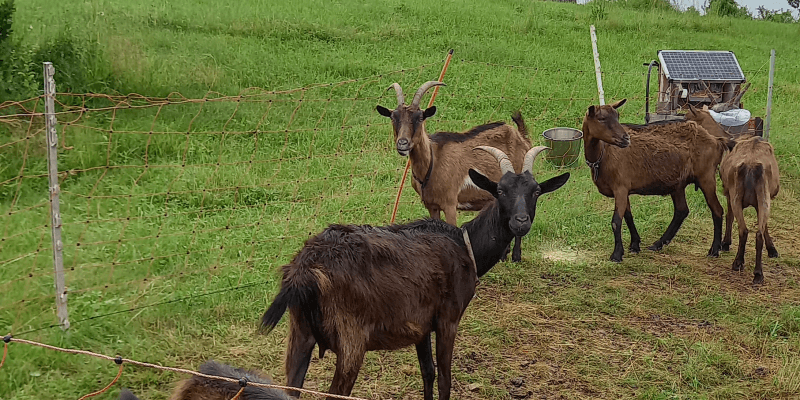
(758, 273)
(348, 363)
(620, 205)
(681, 211)
(451, 215)
(445, 341)
(434, 212)
(635, 238)
(298, 352)
(426, 367)
(726, 240)
(516, 255)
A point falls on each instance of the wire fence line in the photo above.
(243, 381)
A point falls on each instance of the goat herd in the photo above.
(356, 288)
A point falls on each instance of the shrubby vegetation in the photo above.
(81, 64)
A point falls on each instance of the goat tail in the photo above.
(300, 289)
(521, 127)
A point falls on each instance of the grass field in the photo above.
(178, 214)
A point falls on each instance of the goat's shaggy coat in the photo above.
(200, 388)
(440, 163)
(750, 178)
(656, 159)
(356, 288)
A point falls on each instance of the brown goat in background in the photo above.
(440, 163)
(750, 177)
(201, 388)
(656, 159)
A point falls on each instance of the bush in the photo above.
(727, 8)
(16, 79)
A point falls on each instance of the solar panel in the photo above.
(693, 65)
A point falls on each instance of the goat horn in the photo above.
(400, 98)
(502, 158)
(421, 91)
(530, 156)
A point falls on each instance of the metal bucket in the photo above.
(565, 145)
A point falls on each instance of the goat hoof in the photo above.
(725, 247)
(616, 258)
(515, 259)
(737, 265)
(772, 253)
(634, 248)
(758, 279)
(656, 247)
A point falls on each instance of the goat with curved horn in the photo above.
(400, 98)
(502, 158)
(530, 157)
(421, 91)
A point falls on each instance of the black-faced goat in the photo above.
(357, 288)
(201, 388)
(656, 159)
(440, 163)
(750, 178)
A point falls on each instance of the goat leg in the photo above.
(758, 274)
(708, 184)
(772, 252)
(738, 262)
(348, 363)
(516, 256)
(635, 239)
(445, 341)
(620, 205)
(726, 240)
(681, 211)
(298, 352)
(426, 367)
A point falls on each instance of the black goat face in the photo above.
(407, 122)
(517, 195)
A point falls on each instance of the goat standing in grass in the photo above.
(201, 388)
(657, 159)
(357, 288)
(750, 177)
(440, 163)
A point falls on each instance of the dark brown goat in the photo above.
(357, 288)
(440, 163)
(657, 159)
(750, 178)
(200, 388)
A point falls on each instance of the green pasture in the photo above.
(214, 139)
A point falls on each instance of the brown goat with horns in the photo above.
(657, 159)
(358, 288)
(440, 163)
(750, 177)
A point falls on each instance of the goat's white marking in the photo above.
(464, 205)
(469, 184)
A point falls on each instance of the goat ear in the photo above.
(619, 103)
(483, 182)
(591, 111)
(554, 183)
(429, 112)
(692, 110)
(384, 111)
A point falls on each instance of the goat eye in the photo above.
(500, 192)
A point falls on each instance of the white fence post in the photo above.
(769, 93)
(597, 72)
(55, 211)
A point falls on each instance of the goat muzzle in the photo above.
(403, 146)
